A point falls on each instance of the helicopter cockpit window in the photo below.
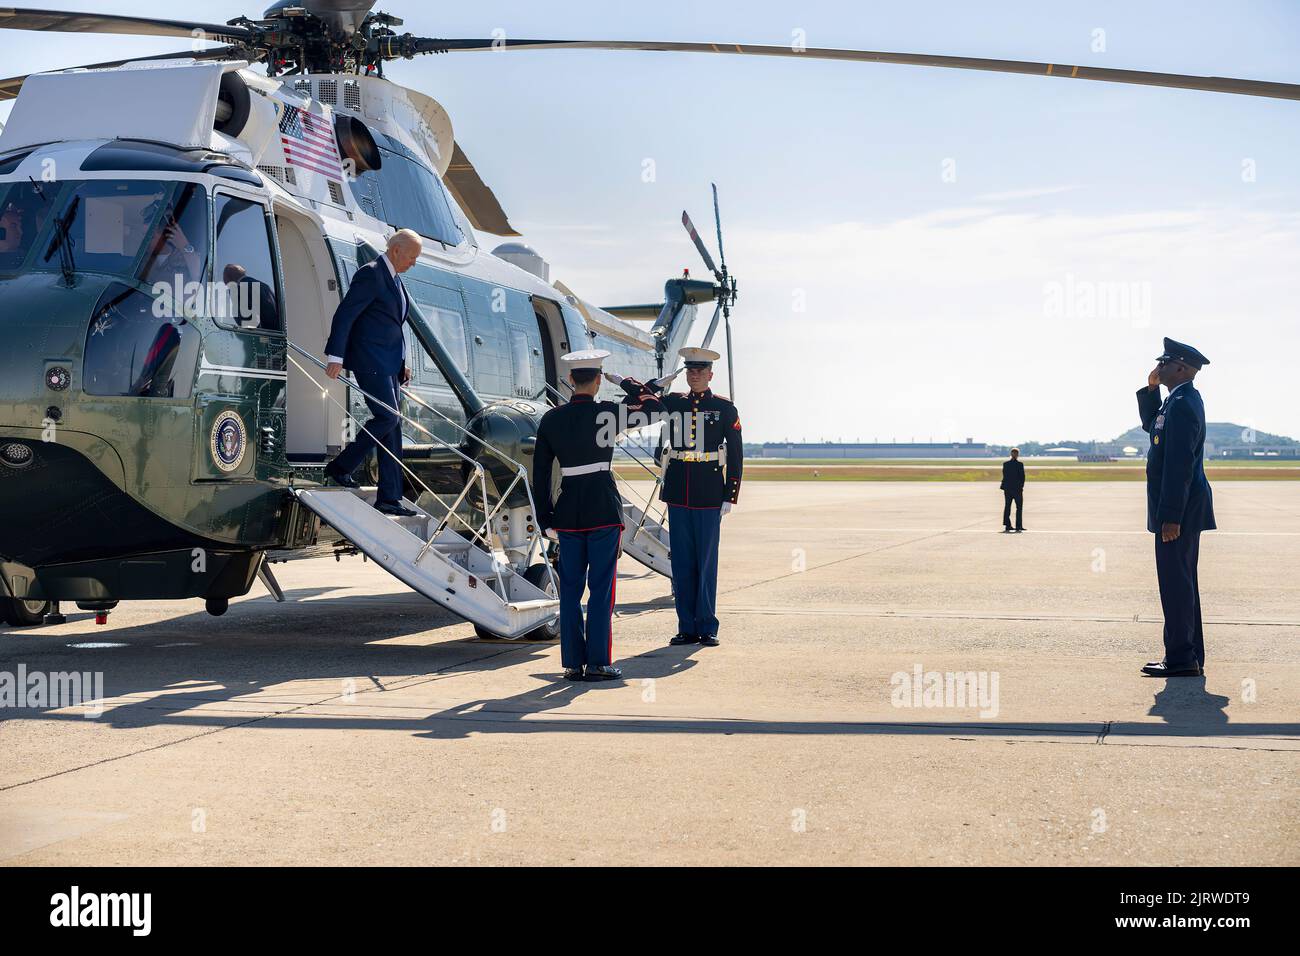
(24, 207)
(406, 193)
(114, 224)
(244, 268)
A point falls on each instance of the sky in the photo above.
(922, 254)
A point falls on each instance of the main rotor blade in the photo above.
(9, 87)
(1212, 84)
(699, 244)
(66, 21)
(478, 201)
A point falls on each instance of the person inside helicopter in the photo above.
(22, 213)
(172, 256)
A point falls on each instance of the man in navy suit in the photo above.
(366, 338)
(1179, 503)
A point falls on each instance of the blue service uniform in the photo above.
(705, 459)
(367, 333)
(587, 518)
(1178, 492)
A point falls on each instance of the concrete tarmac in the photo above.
(358, 724)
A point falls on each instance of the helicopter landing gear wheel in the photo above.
(20, 613)
(217, 606)
(536, 576)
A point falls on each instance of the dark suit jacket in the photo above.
(1013, 475)
(367, 328)
(1177, 490)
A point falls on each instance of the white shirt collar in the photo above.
(1177, 387)
(389, 262)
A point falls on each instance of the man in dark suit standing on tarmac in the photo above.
(366, 337)
(1013, 489)
(1179, 503)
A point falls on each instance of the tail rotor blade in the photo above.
(699, 244)
(717, 218)
(731, 362)
(713, 325)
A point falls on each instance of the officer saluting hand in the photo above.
(587, 519)
(697, 490)
(1179, 503)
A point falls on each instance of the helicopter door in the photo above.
(314, 423)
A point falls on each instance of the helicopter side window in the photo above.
(131, 351)
(406, 193)
(243, 267)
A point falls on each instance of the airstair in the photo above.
(484, 561)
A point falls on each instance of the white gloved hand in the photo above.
(666, 380)
(550, 533)
(726, 508)
(613, 379)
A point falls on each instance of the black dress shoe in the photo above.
(339, 477)
(1161, 669)
(709, 640)
(684, 639)
(397, 511)
(603, 672)
(573, 673)
(1018, 530)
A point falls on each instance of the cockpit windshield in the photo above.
(149, 230)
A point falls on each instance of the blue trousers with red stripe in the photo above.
(588, 558)
(693, 540)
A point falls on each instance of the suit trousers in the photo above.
(1019, 498)
(384, 428)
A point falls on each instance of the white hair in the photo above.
(405, 237)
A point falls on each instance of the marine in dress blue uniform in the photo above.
(1179, 503)
(587, 518)
(366, 338)
(704, 454)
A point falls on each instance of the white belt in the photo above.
(591, 469)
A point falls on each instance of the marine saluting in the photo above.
(703, 436)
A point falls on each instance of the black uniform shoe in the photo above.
(573, 673)
(1018, 530)
(684, 639)
(1161, 669)
(396, 510)
(1006, 530)
(339, 478)
(603, 672)
(709, 640)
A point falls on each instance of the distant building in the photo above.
(1256, 451)
(966, 449)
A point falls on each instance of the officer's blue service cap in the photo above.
(587, 358)
(698, 358)
(1179, 352)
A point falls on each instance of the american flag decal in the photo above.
(308, 143)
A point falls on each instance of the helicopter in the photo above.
(166, 282)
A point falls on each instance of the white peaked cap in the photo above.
(587, 358)
(693, 356)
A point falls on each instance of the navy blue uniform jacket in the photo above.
(1177, 490)
(702, 423)
(367, 327)
(575, 434)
